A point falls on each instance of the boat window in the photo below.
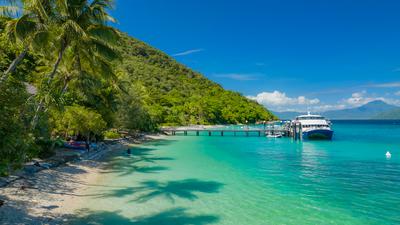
(310, 118)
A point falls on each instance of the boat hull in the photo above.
(318, 134)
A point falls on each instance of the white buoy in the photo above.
(388, 155)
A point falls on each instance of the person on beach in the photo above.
(87, 146)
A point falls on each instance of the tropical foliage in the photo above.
(172, 94)
(66, 72)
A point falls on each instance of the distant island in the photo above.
(374, 110)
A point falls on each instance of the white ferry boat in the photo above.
(314, 127)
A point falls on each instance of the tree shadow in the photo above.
(122, 192)
(160, 142)
(150, 169)
(152, 159)
(187, 189)
(129, 169)
(176, 216)
(139, 151)
(125, 165)
(181, 188)
(18, 212)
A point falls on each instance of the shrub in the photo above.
(110, 134)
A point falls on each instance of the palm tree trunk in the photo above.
(13, 66)
(35, 119)
(65, 87)
(55, 67)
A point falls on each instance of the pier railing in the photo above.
(222, 132)
(293, 130)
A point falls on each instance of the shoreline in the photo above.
(50, 196)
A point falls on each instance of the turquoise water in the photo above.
(253, 180)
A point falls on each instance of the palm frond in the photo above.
(61, 7)
(9, 11)
(105, 51)
(10, 29)
(73, 30)
(98, 11)
(104, 33)
(41, 39)
(36, 7)
(24, 27)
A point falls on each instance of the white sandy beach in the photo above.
(50, 196)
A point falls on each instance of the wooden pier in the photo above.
(222, 132)
(293, 130)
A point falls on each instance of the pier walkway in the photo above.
(222, 132)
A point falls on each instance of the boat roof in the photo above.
(314, 122)
(309, 115)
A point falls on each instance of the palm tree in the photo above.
(30, 30)
(83, 21)
(82, 28)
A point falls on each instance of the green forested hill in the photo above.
(66, 74)
(152, 89)
(174, 94)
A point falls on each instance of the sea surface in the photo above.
(253, 180)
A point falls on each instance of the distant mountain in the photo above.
(373, 110)
(393, 114)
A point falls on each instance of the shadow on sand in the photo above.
(176, 216)
(187, 189)
(128, 164)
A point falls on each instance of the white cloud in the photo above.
(188, 52)
(357, 99)
(239, 76)
(384, 85)
(361, 98)
(327, 107)
(277, 99)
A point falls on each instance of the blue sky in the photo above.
(288, 55)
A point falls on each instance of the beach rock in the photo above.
(31, 169)
(3, 182)
(69, 158)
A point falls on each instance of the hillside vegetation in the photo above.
(172, 94)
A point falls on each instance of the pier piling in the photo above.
(291, 131)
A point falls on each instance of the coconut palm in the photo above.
(83, 21)
(9, 8)
(83, 30)
(27, 27)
